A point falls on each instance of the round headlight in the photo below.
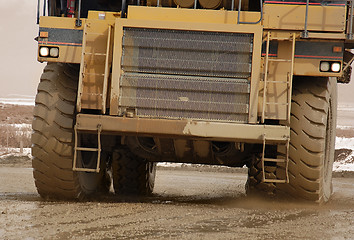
(324, 66)
(44, 51)
(335, 67)
(54, 52)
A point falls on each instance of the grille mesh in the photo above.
(186, 74)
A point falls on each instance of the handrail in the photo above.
(123, 9)
(44, 6)
(78, 20)
(38, 3)
(305, 33)
(232, 5)
(350, 16)
(239, 11)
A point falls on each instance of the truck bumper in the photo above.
(211, 131)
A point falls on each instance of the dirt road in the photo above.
(186, 205)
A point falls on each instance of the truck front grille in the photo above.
(186, 74)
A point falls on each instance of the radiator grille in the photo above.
(186, 74)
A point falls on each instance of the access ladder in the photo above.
(77, 149)
(94, 67)
(288, 81)
(284, 159)
(280, 160)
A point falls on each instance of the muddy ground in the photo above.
(186, 205)
(189, 203)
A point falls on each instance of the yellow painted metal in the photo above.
(329, 22)
(82, 66)
(292, 17)
(77, 149)
(310, 67)
(67, 54)
(59, 22)
(106, 70)
(190, 15)
(279, 161)
(325, 35)
(95, 65)
(278, 76)
(265, 78)
(256, 30)
(248, 133)
(290, 82)
(103, 16)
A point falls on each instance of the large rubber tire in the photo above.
(312, 140)
(132, 175)
(255, 185)
(52, 137)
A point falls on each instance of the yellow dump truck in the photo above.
(220, 82)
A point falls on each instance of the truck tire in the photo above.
(255, 185)
(312, 139)
(53, 138)
(132, 175)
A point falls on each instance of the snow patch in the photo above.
(344, 163)
(16, 152)
(347, 143)
(28, 101)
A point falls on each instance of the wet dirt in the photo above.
(185, 205)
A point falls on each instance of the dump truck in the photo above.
(237, 83)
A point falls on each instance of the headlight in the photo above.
(324, 66)
(54, 52)
(44, 51)
(335, 67)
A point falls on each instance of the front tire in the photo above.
(53, 138)
(312, 140)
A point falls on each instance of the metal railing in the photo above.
(47, 7)
(349, 22)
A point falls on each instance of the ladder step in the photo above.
(276, 103)
(277, 81)
(85, 169)
(278, 60)
(275, 180)
(277, 160)
(95, 54)
(281, 38)
(93, 74)
(87, 149)
(94, 33)
(91, 94)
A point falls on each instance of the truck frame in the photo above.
(233, 83)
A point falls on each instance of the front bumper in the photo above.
(189, 129)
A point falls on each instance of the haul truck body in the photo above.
(233, 83)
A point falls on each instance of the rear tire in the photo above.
(132, 175)
(255, 185)
(52, 137)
